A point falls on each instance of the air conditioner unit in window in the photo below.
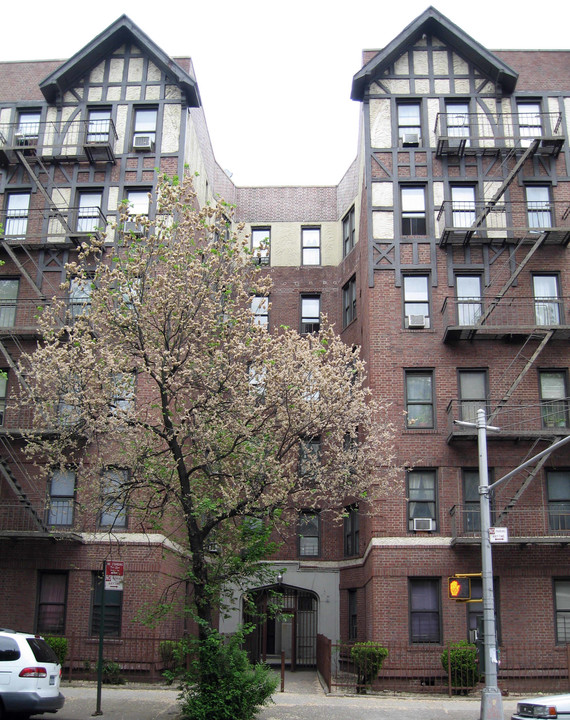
(132, 227)
(410, 139)
(143, 142)
(418, 321)
(425, 524)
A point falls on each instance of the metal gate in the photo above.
(285, 621)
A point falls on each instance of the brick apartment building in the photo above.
(441, 253)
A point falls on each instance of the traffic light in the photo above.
(459, 588)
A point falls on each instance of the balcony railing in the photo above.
(48, 518)
(461, 222)
(524, 522)
(75, 140)
(466, 318)
(459, 133)
(51, 226)
(516, 421)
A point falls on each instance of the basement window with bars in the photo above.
(113, 608)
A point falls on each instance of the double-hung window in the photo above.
(348, 232)
(547, 303)
(17, 213)
(113, 608)
(61, 498)
(419, 399)
(471, 515)
(8, 298)
(98, 126)
(3, 390)
(260, 310)
(413, 210)
(463, 205)
(457, 115)
(113, 505)
(539, 208)
(309, 533)
(80, 290)
(351, 528)
(409, 124)
(424, 610)
(28, 130)
(422, 491)
(52, 596)
(416, 301)
(469, 299)
(349, 302)
(530, 124)
(352, 614)
(554, 398)
(89, 212)
(261, 245)
(144, 129)
(562, 610)
(311, 246)
(310, 313)
(558, 490)
(472, 393)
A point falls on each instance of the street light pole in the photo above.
(491, 698)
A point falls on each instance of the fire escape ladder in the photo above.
(531, 474)
(51, 185)
(529, 363)
(22, 269)
(23, 499)
(10, 360)
(510, 281)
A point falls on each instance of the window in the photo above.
(61, 498)
(69, 406)
(28, 130)
(348, 232)
(409, 124)
(80, 296)
(419, 399)
(413, 211)
(89, 212)
(422, 500)
(309, 456)
(123, 397)
(553, 398)
(52, 595)
(113, 511)
(457, 115)
(530, 125)
(546, 299)
(352, 615)
(261, 245)
(3, 389)
(311, 246)
(538, 206)
(144, 132)
(138, 202)
(309, 527)
(463, 205)
(472, 393)
(260, 310)
(469, 296)
(562, 610)
(475, 610)
(424, 611)
(351, 523)
(98, 126)
(8, 296)
(17, 211)
(113, 608)
(349, 302)
(310, 313)
(257, 376)
(558, 491)
(471, 501)
(416, 301)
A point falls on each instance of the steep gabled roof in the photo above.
(121, 31)
(432, 22)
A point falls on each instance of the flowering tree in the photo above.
(158, 370)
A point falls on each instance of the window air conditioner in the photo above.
(132, 227)
(426, 524)
(417, 321)
(410, 139)
(143, 142)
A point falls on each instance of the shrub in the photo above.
(368, 658)
(464, 669)
(221, 683)
(111, 674)
(59, 645)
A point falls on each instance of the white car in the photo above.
(29, 676)
(549, 706)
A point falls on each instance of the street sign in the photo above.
(498, 534)
(114, 574)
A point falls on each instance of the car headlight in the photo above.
(544, 711)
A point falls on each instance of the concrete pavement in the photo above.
(303, 699)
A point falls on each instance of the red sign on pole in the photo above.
(114, 574)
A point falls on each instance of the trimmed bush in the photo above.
(59, 645)
(368, 658)
(112, 673)
(464, 669)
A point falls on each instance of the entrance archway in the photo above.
(285, 620)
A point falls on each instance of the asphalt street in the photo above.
(303, 699)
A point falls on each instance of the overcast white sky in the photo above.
(275, 78)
